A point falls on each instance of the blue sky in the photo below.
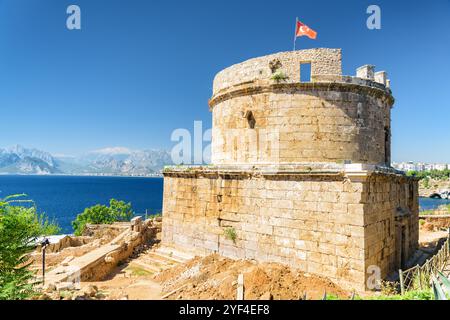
(140, 69)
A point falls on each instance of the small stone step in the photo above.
(154, 262)
(167, 258)
(148, 267)
(174, 254)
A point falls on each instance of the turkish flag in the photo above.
(303, 30)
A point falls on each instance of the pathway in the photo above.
(134, 280)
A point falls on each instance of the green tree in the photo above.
(426, 182)
(20, 229)
(101, 214)
(434, 174)
(120, 210)
(412, 173)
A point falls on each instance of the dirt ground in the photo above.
(431, 240)
(426, 236)
(215, 277)
(127, 283)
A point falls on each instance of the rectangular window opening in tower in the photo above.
(305, 72)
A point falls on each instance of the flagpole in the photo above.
(295, 31)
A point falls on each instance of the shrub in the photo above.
(20, 229)
(152, 215)
(101, 214)
(426, 182)
(441, 286)
(279, 76)
(389, 287)
(442, 209)
(410, 295)
(434, 174)
(230, 234)
(426, 212)
(120, 210)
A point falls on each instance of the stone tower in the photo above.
(300, 172)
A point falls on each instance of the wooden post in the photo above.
(240, 287)
(43, 265)
(420, 277)
(402, 284)
(448, 239)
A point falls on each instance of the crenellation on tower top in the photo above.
(366, 72)
(381, 77)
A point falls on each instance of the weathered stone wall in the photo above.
(391, 218)
(303, 123)
(323, 62)
(64, 243)
(326, 224)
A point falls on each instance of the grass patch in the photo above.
(427, 212)
(140, 272)
(411, 295)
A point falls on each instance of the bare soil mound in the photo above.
(215, 277)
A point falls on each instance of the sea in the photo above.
(62, 198)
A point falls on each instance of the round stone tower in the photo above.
(300, 172)
(296, 107)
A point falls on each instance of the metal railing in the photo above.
(419, 277)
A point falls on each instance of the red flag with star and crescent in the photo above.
(302, 29)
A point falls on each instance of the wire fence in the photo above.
(419, 277)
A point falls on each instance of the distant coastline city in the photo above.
(420, 166)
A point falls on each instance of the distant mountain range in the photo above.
(108, 161)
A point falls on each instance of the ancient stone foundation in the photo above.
(334, 224)
(301, 173)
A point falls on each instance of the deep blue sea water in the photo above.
(63, 197)
(429, 204)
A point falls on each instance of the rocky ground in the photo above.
(128, 284)
(433, 186)
(212, 277)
